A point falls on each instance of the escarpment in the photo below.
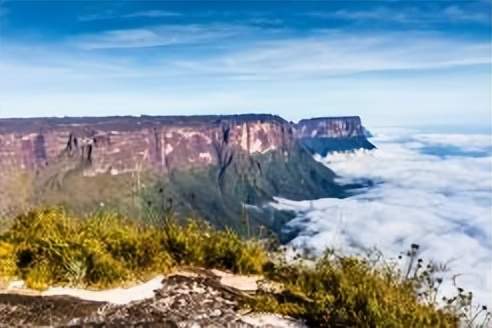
(222, 168)
(328, 134)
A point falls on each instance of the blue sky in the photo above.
(392, 62)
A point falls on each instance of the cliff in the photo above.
(218, 167)
(126, 144)
(328, 134)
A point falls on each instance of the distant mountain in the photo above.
(221, 168)
(323, 135)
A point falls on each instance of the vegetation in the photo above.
(350, 291)
(47, 247)
(50, 247)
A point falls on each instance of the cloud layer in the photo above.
(423, 196)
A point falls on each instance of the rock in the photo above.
(268, 320)
(181, 302)
(329, 134)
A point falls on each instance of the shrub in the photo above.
(185, 244)
(8, 267)
(348, 291)
(136, 247)
(39, 276)
(196, 243)
(225, 249)
(48, 246)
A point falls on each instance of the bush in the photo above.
(196, 243)
(349, 291)
(185, 243)
(48, 246)
(8, 267)
(226, 250)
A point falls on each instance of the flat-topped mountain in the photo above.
(327, 134)
(218, 167)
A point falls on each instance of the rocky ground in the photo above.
(182, 301)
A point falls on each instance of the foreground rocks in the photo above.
(182, 301)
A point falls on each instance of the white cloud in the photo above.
(274, 56)
(138, 14)
(152, 14)
(413, 15)
(443, 204)
(331, 53)
(161, 35)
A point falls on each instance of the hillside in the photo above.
(221, 168)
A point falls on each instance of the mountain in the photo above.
(323, 135)
(221, 168)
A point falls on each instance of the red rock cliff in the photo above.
(125, 144)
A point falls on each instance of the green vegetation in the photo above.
(50, 247)
(350, 291)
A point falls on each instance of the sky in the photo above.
(405, 63)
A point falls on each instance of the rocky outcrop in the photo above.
(328, 134)
(182, 301)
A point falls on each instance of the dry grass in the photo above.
(47, 247)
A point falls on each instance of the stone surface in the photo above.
(182, 301)
(117, 145)
(127, 144)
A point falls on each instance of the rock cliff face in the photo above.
(118, 145)
(327, 134)
(123, 144)
(218, 167)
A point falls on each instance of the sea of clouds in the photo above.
(434, 190)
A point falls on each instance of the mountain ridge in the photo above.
(210, 166)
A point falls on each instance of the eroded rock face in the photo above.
(124, 144)
(328, 134)
(331, 127)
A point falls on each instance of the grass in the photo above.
(49, 247)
